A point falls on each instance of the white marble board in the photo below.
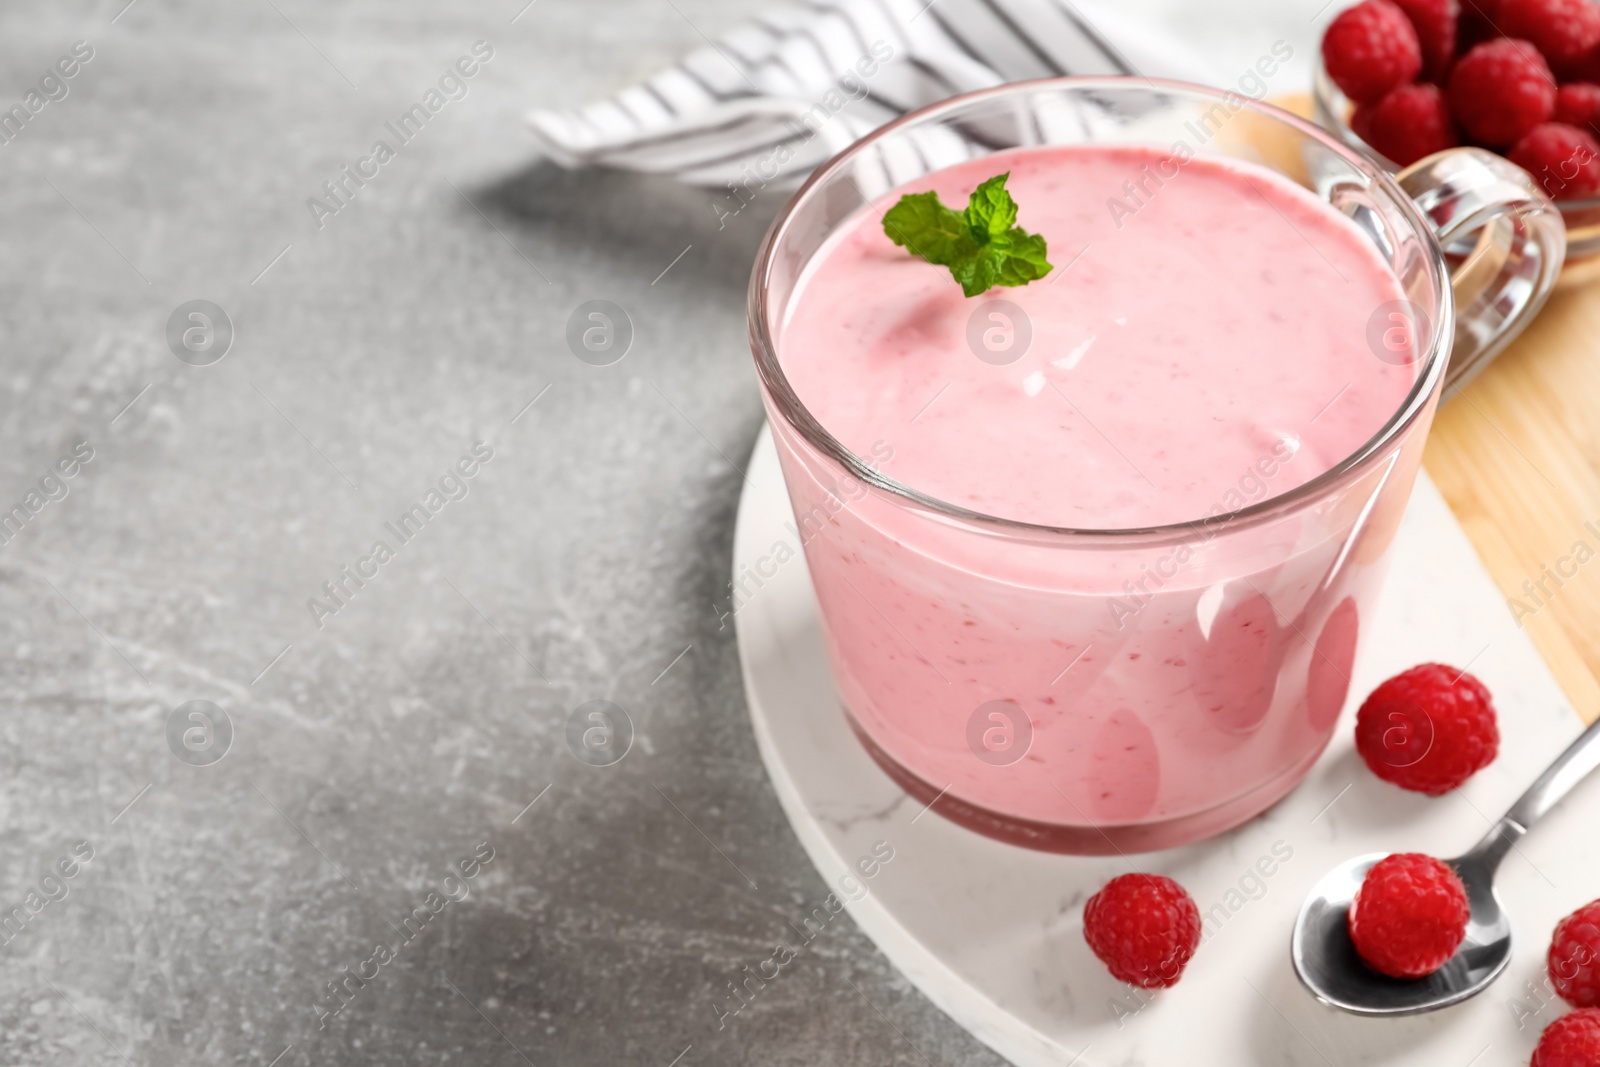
(992, 933)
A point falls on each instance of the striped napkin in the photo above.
(787, 90)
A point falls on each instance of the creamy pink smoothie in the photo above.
(1203, 348)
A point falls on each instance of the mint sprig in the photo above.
(983, 246)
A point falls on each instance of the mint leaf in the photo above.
(922, 224)
(990, 209)
(1025, 260)
(983, 246)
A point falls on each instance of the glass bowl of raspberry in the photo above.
(1403, 80)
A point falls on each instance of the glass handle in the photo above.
(1504, 240)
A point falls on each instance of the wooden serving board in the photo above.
(1516, 455)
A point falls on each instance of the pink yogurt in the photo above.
(1203, 351)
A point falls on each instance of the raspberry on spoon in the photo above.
(1409, 916)
(1144, 928)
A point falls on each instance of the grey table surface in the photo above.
(374, 747)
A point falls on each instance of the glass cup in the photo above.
(1136, 688)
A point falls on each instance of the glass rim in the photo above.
(799, 417)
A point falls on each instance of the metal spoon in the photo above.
(1327, 963)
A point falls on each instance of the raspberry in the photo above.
(1409, 915)
(1564, 160)
(1564, 31)
(1435, 22)
(1574, 957)
(1500, 90)
(1409, 123)
(1428, 729)
(1586, 69)
(1571, 1041)
(1577, 104)
(1370, 49)
(1474, 27)
(1144, 928)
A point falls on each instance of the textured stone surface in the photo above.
(422, 718)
